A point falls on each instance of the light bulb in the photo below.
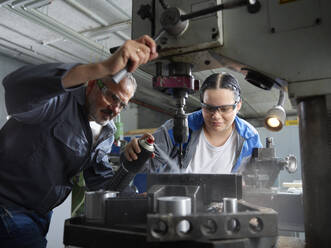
(273, 122)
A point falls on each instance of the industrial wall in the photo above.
(148, 118)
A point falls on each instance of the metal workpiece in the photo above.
(214, 187)
(95, 202)
(230, 205)
(315, 140)
(76, 234)
(126, 211)
(178, 209)
(175, 205)
(237, 220)
(158, 193)
(249, 222)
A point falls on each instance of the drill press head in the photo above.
(181, 82)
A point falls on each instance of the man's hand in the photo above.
(133, 149)
(132, 54)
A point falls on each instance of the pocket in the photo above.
(7, 225)
(71, 138)
(55, 196)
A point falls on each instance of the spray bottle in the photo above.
(147, 149)
(129, 169)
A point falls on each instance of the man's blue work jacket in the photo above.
(48, 140)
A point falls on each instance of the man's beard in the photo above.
(104, 122)
(92, 113)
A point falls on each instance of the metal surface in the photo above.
(179, 215)
(95, 205)
(262, 171)
(315, 139)
(230, 205)
(211, 226)
(172, 23)
(176, 205)
(209, 26)
(214, 186)
(289, 207)
(261, 174)
(76, 233)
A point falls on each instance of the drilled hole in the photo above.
(159, 228)
(256, 224)
(233, 226)
(183, 227)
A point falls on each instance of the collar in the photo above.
(195, 120)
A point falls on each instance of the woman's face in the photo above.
(220, 109)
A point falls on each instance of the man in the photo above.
(219, 141)
(48, 138)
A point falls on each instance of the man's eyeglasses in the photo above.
(109, 96)
(221, 109)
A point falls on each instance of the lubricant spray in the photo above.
(147, 149)
(129, 169)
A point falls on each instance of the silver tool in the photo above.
(121, 74)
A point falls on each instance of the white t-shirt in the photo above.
(96, 130)
(212, 159)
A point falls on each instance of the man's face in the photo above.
(106, 101)
(221, 119)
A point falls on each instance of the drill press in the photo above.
(186, 32)
(181, 82)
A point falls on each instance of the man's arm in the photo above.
(33, 90)
(133, 53)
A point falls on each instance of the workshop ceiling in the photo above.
(42, 31)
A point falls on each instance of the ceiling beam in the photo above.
(57, 27)
(97, 32)
(80, 7)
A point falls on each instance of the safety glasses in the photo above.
(109, 96)
(225, 109)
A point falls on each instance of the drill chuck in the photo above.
(180, 128)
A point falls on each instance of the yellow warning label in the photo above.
(291, 122)
(286, 1)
